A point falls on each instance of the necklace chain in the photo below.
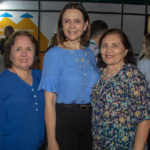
(106, 75)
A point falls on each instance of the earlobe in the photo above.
(86, 25)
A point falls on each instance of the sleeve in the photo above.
(141, 66)
(50, 72)
(140, 97)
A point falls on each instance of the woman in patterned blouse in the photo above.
(120, 99)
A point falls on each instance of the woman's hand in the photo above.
(53, 145)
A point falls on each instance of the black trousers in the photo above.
(73, 127)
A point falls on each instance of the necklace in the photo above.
(107, 74)
(106, 77)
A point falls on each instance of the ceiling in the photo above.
(141, 2)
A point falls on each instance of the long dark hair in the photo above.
(86, 34)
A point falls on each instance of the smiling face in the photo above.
(73, 24)
(22, 53)
(113, 50)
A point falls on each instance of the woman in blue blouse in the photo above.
(21, 104)
(121, 98)
(69, 72)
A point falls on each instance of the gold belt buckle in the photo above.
(85, 107)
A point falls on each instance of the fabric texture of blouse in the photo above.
(70, 74)
(144, 67)
(123, 102)
(21, 112)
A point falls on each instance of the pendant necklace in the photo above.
(106, 77)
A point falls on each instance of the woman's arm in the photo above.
(50, 120)
(141, 135)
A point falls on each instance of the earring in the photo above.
(85, 27)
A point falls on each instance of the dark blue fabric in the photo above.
(21, 112)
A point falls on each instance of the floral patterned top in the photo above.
(123, 102)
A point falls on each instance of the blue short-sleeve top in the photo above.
(21, 112)
(70, 74)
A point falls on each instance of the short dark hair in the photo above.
(129, 58)
(97, 27)
(9, 29)
(10, 42)
(60, 34)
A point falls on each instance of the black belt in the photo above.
(78, 106)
